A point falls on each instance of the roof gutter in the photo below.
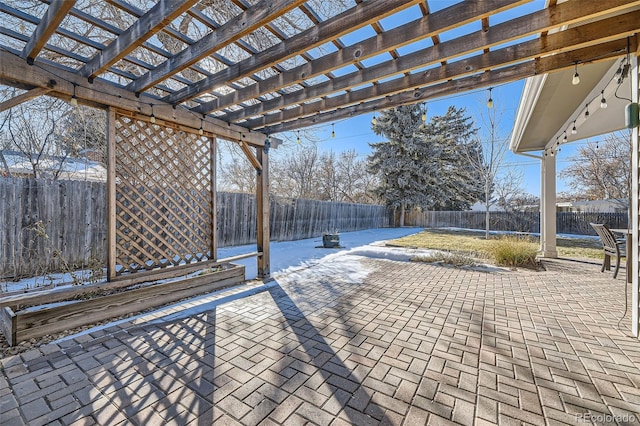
(525, 154)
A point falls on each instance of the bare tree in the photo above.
(488, 160)
(507, 189)
(235, 173)
(602, 170)
(356, 184)
(300, 170)
(84, 128)
(32, 129)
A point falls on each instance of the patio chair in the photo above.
(611, 247)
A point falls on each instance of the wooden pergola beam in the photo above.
(425, 27)
(501, 33)
(347, 21)
(15, 72)
(573, 38)
(24, 97)
(48, 25)
(549, 64)
(239, 26)
(159, 16)
(250, 156)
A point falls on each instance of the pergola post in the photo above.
(548, 207)
(635, 205)
(262, 206)
(214, 200)
(111, 194)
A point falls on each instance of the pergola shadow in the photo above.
(192, 368)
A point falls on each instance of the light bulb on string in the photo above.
(74, 98)
(574, 130)
(586, 113)
(201, 130)
(153, 116)
(603, 101)
(490, 101)
(564, 138)
(424, 113)
(374, 120)
(576, 77)
(333, 130)
(298, 138)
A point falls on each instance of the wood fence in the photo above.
(45, 223)
(566, 222)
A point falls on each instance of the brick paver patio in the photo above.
(371, 341)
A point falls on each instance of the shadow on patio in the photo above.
(352, 340)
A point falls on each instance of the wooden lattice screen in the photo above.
(164, 208)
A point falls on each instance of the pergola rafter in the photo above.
(246, 22)
(341, 24)
(150, 23)
(609, 29)
(302, 70)
(494, 77)
(429, 25)
(48, 25)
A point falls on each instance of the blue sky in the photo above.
(355, 133)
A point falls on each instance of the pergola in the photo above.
(175, 75)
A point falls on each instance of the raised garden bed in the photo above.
(37, 314)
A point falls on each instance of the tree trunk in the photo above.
(486, 226)
(486, 212)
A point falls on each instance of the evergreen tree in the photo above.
(422, 165)
(458, 182)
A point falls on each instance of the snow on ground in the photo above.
(293, 255)
(290, 262)
(285, 255)
(57, 280)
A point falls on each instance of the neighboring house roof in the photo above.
(481, 207)
(596, 205)
(70, 168)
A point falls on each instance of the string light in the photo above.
(201, 130)
(576, 77)
(333, 130)
(153, 116)
(74, 98)
(298, 138)
(374, 120)
(490, 101)
(603, 101)
(564, 138)
(424, 112)
(574, 130)
(586, 113)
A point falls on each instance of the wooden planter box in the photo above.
(18, 326)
